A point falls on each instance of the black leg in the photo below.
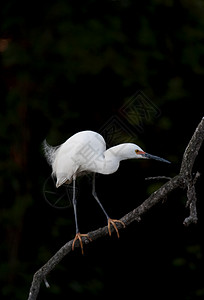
(75, 205)
(96, 197)
(110, 221)
(78, 234)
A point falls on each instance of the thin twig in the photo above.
(158, 178)
(46, 283)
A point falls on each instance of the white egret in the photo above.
(84, 152)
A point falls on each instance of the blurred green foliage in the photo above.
(71, 65)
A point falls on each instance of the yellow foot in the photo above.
(79, 237)
(112, 222)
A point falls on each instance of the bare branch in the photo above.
(191, 202)
(192, 150)
(183, 180)
(192, 199)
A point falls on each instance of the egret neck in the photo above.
(109, 161)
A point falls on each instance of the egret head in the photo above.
(142, 154)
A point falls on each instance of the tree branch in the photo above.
(183, 180)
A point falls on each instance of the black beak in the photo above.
(147, 155)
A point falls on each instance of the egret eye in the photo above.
(137, 151)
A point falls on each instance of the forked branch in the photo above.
(184, 180)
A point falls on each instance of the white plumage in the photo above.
(86, 151)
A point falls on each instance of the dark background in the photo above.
(74, 65)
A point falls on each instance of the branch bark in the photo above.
(183, 180)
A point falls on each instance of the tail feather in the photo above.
(49, 152)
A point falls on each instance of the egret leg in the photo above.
(96, 197)
(110, 221)
(78, 235)
(75, 205)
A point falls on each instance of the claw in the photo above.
(112, 222)
(79, 237)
